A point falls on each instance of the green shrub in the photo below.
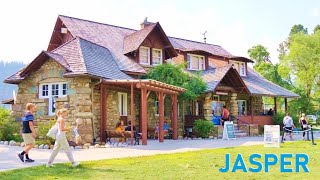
(43, 128)
(9, 128)
(203, 127)
(278, 118)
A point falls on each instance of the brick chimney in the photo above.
(145, 23)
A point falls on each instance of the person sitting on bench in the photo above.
(128, 128)
(119, 129)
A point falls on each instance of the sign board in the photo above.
(272, 136)
(228, 130)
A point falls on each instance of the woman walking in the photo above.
(304, 124)
(61, 139)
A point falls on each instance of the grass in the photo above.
(203, 164)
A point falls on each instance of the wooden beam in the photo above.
(174, 99)
(251, 108)
(103, 112)
(132, 112)
(144, 107)
(286, 105)
(161, 116)
(156, 89)
(275, 105)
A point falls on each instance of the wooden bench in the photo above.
(125, 134)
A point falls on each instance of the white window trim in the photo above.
(147, 48)
(240, 64)
(199, 56)
(50, 96)
(125, 105)
(160, 56)
(197, 108)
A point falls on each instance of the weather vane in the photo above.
(204, 36)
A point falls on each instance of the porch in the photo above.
(142, 89)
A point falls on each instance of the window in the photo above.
(240, 67)
(123, 104)
(156, 56)
(45, 90)
(144, 55)
(50, 91)
(195, 62)
(156, 105)
(197, 108)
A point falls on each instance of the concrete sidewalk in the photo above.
(10, 160)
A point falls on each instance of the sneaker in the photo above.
(29, 160)
(75, 164)
(21, 157)
(49, 165)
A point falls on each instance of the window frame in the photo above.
(241, 67)
(123, 104)
(50, 95)
(148, 55)
(201, 66)
(161, 56)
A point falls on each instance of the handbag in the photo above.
(53, 131)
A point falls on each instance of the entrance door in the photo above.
(242, 107)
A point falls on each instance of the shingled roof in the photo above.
(262, 87)
(119, 41)
(256, 84)
(79, 57)
(213, 77)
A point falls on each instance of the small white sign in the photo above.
(272, 136)
(228, 130)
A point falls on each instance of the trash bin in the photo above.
(216, 120)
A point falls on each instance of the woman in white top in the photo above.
(61, 139)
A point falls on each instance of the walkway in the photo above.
(9, 159)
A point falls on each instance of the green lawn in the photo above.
(203, 164)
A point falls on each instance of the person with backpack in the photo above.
(304, 124)
(225, 115)
(288, 126)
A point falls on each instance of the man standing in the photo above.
(28, 132)
(288, 126)
(225, 115)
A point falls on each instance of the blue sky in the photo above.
(26, 26)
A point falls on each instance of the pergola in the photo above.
(145, 86)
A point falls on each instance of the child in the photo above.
(28, 132)
(61, 140)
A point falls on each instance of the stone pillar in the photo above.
(207, 107)
(233, 105)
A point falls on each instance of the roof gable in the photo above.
(227, 74)
(40, 60)
(133, 41)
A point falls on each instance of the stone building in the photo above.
(95, 71)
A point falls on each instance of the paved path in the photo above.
(9, 159)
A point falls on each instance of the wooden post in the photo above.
(175, 117)
(251, 109)
(144, 128)
(275, 105)
(286, 105)
(103, 112)
(132, 112)
(161, 115)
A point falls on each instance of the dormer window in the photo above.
(195, 62)
(240, 67)
(144, 55)
(156, 56)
